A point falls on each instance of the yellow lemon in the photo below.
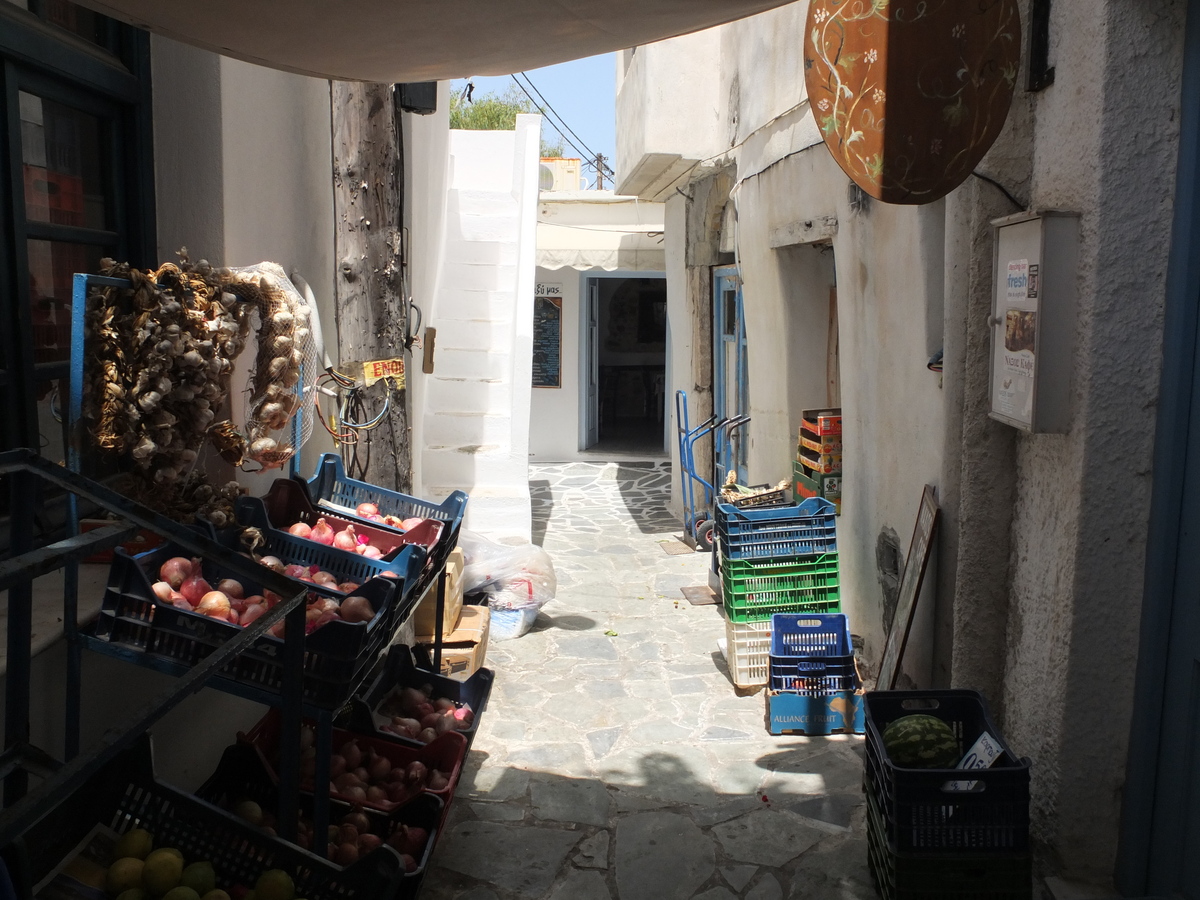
(123, 875)
(135, 844)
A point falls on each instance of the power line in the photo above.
(553, 124)
(594, 159)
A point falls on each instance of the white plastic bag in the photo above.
(519, 580)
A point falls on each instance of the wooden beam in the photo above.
(370, 299)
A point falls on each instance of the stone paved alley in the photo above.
(615, 759)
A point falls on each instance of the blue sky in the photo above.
(582, 91)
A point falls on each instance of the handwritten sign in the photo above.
(910, 588)
(547, 342)
(376, 369)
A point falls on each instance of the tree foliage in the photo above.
(498, 112)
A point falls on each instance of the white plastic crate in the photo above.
(748, 651)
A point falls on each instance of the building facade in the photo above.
(1037, 586)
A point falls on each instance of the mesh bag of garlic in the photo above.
(278, 420)
(158, 363)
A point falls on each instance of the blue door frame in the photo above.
(1160, 828)
(730, 381)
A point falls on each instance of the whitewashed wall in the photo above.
(475, 433)
(554, 431)
(243, 160)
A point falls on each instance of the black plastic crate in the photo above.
(292, 550)
(336, 656)
(287, 503)
(242, 775)
(399, 671)
(125, 795)
(943, 876)
(447, 753)
(927, 810)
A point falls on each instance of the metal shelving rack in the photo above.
(23, 807)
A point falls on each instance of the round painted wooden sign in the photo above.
(910, 94)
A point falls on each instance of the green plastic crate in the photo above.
(756, 589)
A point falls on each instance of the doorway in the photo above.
(626, 364)
(730, 377)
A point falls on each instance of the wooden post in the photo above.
(371, 311)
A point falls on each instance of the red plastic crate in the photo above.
(446, 753)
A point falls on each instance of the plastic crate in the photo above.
(124, 795)
(811, 654)
(287, 503)
(753, 590)
(944, 876)
(242, 775)
(806, 529)
(446, 753)
(399, 671)
(768, 498)
(747, 651)
(336, 656)
(331, 484)
(925, 810)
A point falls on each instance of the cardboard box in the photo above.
(821, 422)
(144, 540)
(425, 617)
(807, 484)
(792, 713)
(464, 650)
(829, 444)
(823, 463)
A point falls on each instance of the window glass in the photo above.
(64, 155)
(51, 398)
(90, 26)
(51, 267)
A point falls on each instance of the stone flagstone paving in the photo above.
(615, 760)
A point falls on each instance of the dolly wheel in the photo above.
(704, 536)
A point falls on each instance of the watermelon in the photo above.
(921, 742)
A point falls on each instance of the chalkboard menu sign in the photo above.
(547, 342)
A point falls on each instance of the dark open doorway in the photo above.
(629, 359)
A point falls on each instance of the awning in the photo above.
(421, 40)
(600, 230)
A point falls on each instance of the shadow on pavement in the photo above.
(645, 490)
(541, 499)
(649, 828)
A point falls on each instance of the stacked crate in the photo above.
(946, 832)
(817, 469)
(773, 560)
(814, 685)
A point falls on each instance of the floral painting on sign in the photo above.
(910, 94)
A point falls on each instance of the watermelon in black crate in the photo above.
(947, 809)
(943, 876)
(124, 795)
(242, 776)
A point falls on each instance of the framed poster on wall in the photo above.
(547, 336)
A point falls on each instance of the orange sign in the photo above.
(910, 94)
(384, 368)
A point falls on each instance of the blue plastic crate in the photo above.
(811, 654)
(806, 529)
(331, 484)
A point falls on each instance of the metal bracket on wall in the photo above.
(1040, 74)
